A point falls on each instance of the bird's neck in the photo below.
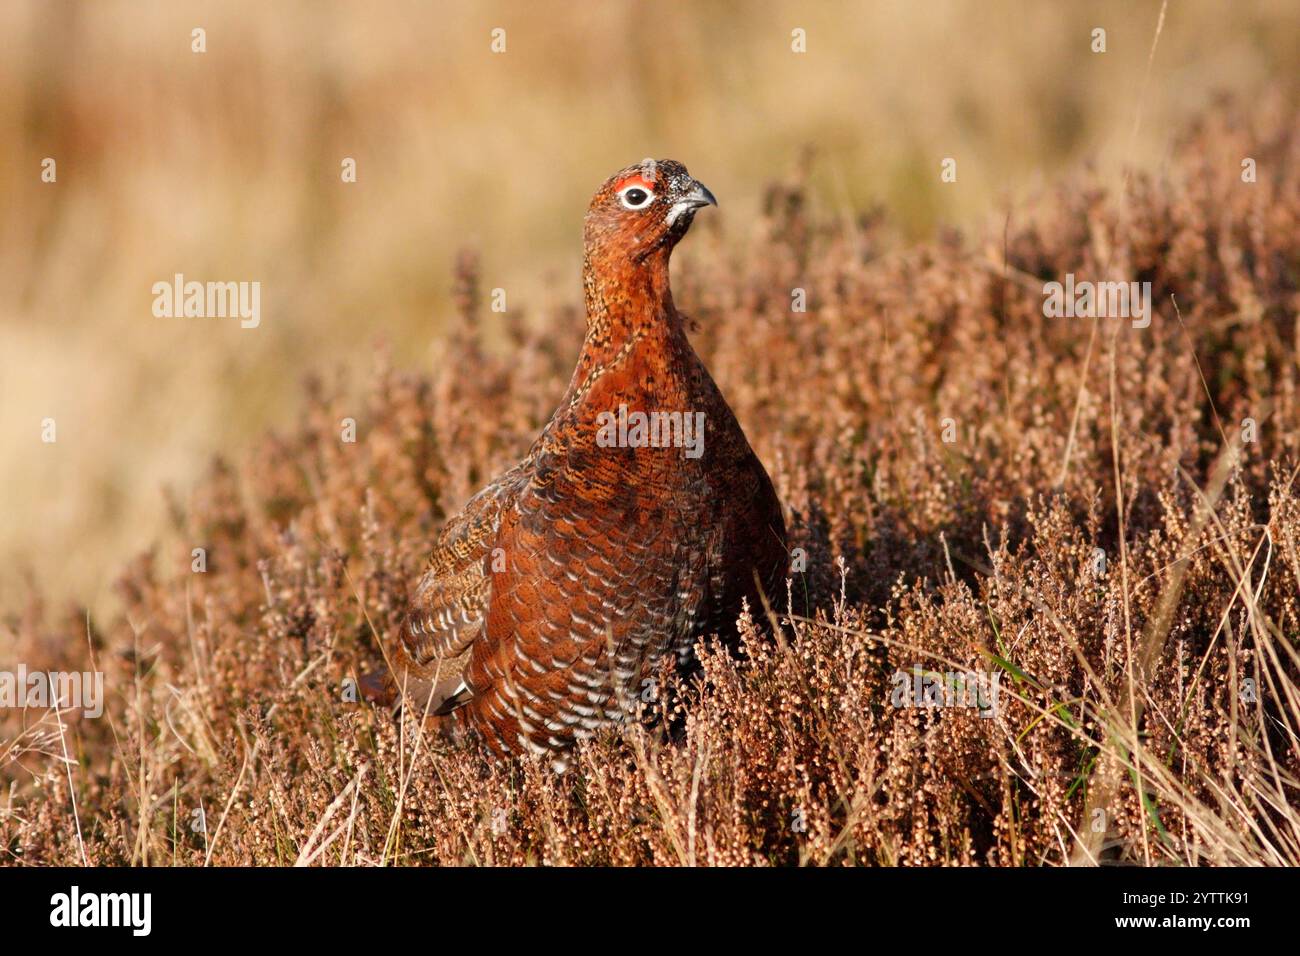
(627, 301)
(634, 334)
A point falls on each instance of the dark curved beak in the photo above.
(701, 196)
(698, 197)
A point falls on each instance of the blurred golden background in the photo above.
(225, 165)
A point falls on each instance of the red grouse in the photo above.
(637, 524)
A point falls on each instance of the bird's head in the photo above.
(644, 208)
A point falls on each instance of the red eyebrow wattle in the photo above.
(638, 179)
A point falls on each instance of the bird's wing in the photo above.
(451, 600)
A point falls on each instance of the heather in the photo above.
(1105, 516)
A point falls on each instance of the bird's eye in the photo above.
(635, 197)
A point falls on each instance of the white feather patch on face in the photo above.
(680, 208)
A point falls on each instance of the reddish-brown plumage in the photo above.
(557, 589)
